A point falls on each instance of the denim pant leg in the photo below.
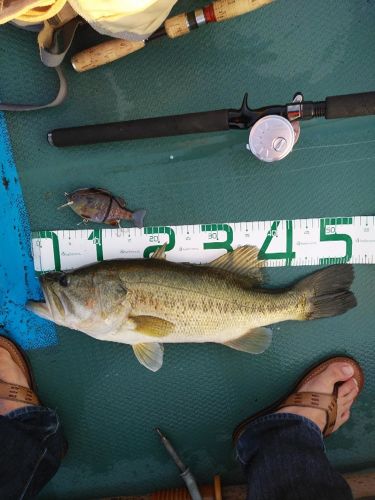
(32, 445)
(283, 457)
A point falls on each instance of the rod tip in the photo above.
(159, 432)
(50, 138)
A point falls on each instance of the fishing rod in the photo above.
(274, 129)
(185, 473)
(173, 27)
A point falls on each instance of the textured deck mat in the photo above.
(108, 403)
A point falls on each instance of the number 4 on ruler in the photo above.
(288, 255)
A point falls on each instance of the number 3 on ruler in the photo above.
(288, 255)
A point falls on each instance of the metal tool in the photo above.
(174, 27)
(186, 475)
(272, 139)
(296, 242)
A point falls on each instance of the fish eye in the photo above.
(64, 280)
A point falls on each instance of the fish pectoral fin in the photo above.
(254, 341)
(244, 262)
(149, 355)
(152, 326)
(159, 252)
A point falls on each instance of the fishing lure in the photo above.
(100, 205)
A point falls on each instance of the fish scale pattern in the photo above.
(108, 403)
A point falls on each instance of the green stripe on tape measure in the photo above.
(297, 242)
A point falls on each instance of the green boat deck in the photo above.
(108, 403)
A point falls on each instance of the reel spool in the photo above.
(273, 137)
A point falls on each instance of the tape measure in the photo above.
(297, 242)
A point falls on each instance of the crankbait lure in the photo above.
(100, 205)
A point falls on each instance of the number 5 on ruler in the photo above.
(329, 234)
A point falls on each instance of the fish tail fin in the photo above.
(327, 292)
(138, 216)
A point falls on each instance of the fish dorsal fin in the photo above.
(244, 262)
(152, 326)
(101, 190)
(254, 341)
(93, 191)
(149, 355)
(120, 201)
(160, 252)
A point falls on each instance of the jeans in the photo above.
(282, 455)
(284, 458)
(32, 446)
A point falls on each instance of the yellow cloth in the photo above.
(28, 11)
(129, 19)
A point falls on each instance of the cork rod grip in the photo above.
(226, 9)
(104, 53)
(177, 26)
(222, 10)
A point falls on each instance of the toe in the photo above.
(345, 417)
(348, 389)
(5, 356)
(345, 407)
(339, 372)
(10, 372)
(334, 373)
(346, 403)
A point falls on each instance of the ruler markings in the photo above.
(294, 242)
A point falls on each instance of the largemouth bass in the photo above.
(148, 302)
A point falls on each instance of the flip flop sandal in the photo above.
(14, 392)
(326, 402)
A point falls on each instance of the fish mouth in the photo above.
(39, 308)
(48, 308)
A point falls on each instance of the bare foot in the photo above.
(11, 374)
(324, 383)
